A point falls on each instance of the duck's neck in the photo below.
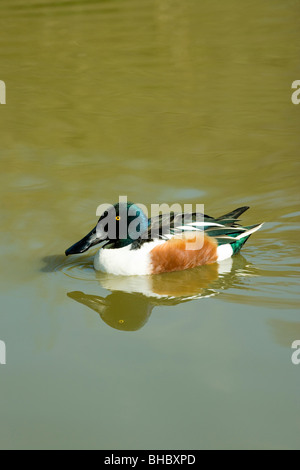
(113, 244)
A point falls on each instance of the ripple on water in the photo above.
(80, 268)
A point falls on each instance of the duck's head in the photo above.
(119, 226)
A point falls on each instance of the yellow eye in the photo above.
(118, 217)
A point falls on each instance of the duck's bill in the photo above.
(91, 239)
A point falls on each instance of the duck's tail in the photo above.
(229, 245)
(233, 215)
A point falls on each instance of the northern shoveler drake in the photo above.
(163, 242)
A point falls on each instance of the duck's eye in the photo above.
(118, 217)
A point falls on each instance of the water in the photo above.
(162, 101)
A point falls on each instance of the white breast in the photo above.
(124, 261)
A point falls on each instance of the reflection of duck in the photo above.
(177, 285)
(132, 299)
(132, 244)
(120, 310)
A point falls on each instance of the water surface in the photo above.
(162, 101)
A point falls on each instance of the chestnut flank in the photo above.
(174, 255)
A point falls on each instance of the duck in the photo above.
(131, 244)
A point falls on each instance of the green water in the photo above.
(162, 101)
